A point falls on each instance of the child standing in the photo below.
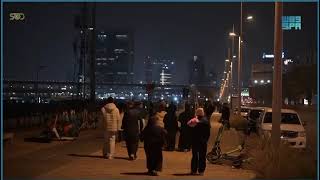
(154, 138)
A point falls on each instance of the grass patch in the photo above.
(293, 163)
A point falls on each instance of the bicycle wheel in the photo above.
(214, 156)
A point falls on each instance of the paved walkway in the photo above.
(83, 159)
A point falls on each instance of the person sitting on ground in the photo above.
(153, 136)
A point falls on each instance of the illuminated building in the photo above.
(197, 71)
(114, 56)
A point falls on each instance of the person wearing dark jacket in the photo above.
(225, 115)
(131, 129)
(171, 126)
(153, 136)
(184, 138)
(200, 134)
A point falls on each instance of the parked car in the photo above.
(244, 111)
(291, 127)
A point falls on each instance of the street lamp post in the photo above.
(232, 34)
(239, 65)
(277, 84)
(231, 62)
(239, 71)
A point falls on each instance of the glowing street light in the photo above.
(232, 34)
(250, 18)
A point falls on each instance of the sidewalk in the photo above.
(83, 159)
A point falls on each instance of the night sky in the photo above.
(169, 30)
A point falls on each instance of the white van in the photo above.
(291, 127)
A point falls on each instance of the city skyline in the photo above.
(178, 31)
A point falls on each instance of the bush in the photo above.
(293, 163)
(238, 122)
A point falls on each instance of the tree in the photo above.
(300, 81)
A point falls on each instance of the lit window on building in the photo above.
(119, 51)
(121, 36)
(102, 37)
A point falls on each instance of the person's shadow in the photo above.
(96, 156)
(184, 174)
(135, 173)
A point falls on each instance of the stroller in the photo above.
(216, 156)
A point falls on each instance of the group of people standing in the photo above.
(160, 132)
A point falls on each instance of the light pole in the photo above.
(277, 84)
(239, 65)
(232, 34)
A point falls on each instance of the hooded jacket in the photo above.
(111, 117)
(160, 117)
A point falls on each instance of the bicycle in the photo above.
(216, 156)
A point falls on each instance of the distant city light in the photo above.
(249, 17)
(232, 34)
(287, 61)
(267, 56)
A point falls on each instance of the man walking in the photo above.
(132, 125)
(111, 118)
